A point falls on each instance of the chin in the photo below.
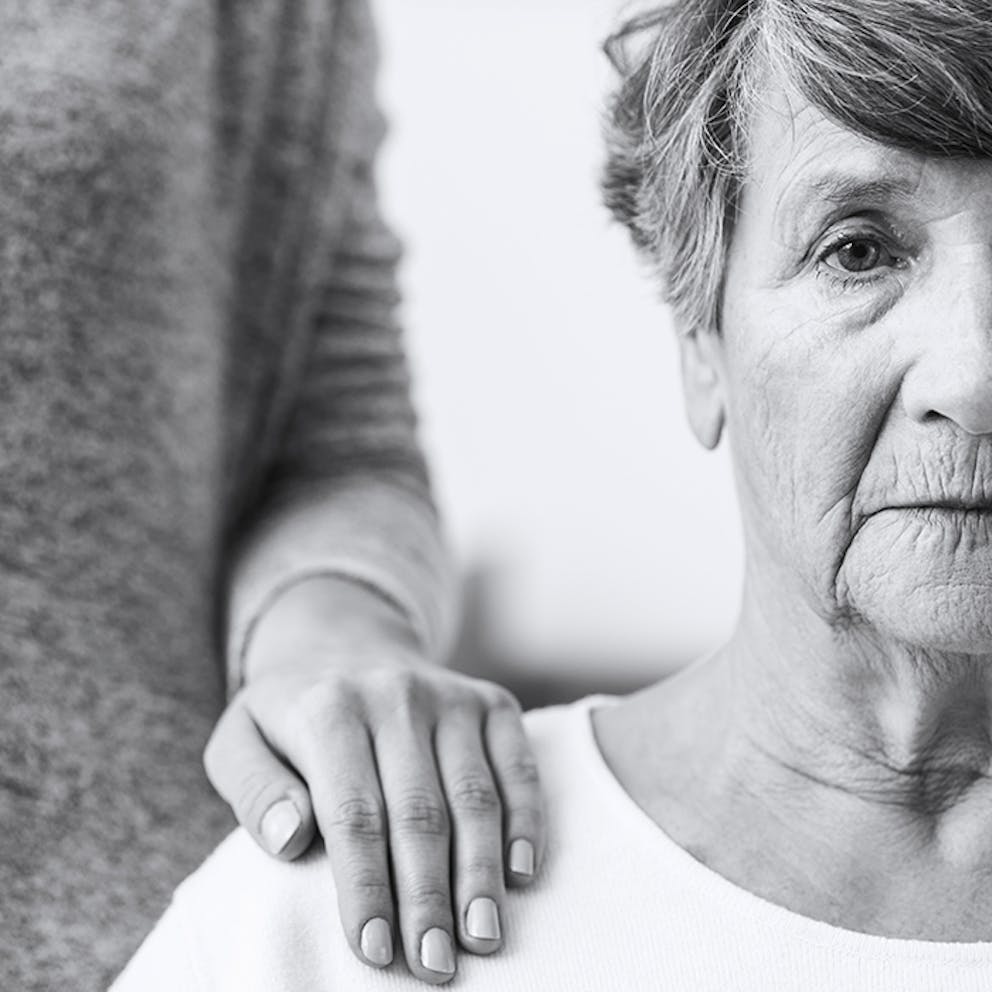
(924, 581)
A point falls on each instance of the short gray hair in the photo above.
(912, 74)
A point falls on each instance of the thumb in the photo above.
(269, 801)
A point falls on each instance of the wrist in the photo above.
(333, 615)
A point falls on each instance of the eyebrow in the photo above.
(838, 188)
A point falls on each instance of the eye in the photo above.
(859, 255)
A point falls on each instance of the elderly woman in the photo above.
(810, 807)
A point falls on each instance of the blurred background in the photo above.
(599, 544)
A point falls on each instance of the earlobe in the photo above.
(702, 387)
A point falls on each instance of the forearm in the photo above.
(347, 493)
(365, 546)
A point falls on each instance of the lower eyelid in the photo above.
(852, 280)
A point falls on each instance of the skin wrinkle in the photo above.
(863, 356)
(930, 484)
(928, 781)
(852, 704)
(846, 611)
(872, 74)
(919, 770)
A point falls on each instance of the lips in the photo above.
(943, 472)
(962, 508)
(959, 505)
(959, 514)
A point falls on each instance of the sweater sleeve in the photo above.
(348, 492)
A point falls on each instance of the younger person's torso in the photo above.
(162, 180)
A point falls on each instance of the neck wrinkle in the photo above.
(895, 725)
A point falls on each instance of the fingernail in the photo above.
(482, 919)
(436, 953)
(279, 825)
(377, 942)
(522, 857)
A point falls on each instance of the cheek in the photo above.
(804, 408)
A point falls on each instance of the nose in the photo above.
(952, 376)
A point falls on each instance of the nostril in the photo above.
(961, 399)
(950, 380)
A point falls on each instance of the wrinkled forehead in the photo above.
(799, 159)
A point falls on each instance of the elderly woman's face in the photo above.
(855, 374)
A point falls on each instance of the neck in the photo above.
(901, 727)
(824, 768)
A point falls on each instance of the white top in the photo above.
(618, 906)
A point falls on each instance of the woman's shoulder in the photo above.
(247, 921)
(564, 724)
(243, 921)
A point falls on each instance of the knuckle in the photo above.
(392, 682)
(252, 791)
(527, 820)
(505, 702)
(404, 697)
(370, 889)
(359, 818)
(522, 770)
(427, 895)
(397, 700)
(320, 704)
(420, 813)
(482, 867)
(474, 794)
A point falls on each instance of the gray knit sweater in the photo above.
(202, 390)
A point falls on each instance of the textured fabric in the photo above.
(197, 351)
(619, 906)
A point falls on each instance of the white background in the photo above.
(546, 368)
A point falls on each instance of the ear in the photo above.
(702, 385)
